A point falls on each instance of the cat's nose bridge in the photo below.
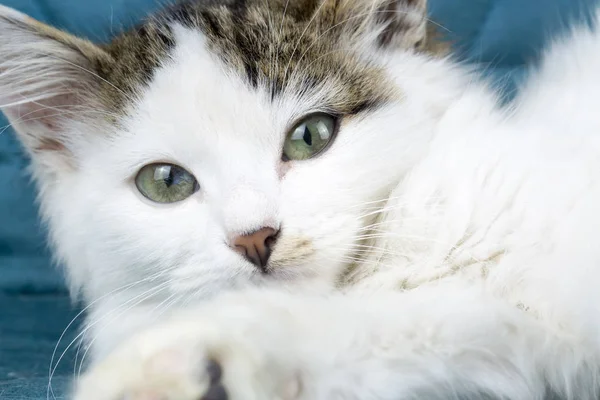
(248, 208)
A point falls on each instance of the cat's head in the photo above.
(221, 142)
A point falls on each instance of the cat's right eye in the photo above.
(166, 183)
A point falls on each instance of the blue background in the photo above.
(502, 36)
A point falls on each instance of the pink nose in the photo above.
(256, 246)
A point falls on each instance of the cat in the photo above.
(310, 200)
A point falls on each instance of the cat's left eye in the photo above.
(166, 183)
(309, 137)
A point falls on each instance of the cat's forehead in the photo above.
(274, 44)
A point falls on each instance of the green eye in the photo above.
(165, 183)
(309, 137)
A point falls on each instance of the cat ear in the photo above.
(383, 23)
(46, 79)
(402, 23)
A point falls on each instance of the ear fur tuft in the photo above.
(47, 79)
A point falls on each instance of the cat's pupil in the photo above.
(307, 136)
(170, 178)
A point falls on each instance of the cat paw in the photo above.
(185, 362)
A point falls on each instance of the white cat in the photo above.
(404, 235)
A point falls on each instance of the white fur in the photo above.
(230, 138)
(474, 228)
(491, 233)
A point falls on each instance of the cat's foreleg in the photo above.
(441, 344)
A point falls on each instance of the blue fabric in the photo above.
(30, 327)
(503, 36)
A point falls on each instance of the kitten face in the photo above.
(230, 137)
(185, 89)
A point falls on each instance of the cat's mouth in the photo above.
(289, 261)
(282, 257)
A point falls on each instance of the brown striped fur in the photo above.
(282, 46)
(279, 44)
